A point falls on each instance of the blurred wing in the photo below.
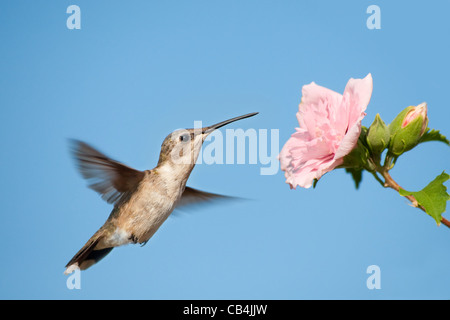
(109, 178)
(193, 196)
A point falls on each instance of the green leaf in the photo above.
(356, 175)
(434, 135)
(433, 198)
(315, 183)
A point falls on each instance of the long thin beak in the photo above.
(208, 130)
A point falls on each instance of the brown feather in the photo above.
(89, 254)
(110, 178)
(193, 196)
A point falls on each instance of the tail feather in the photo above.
(87, 256)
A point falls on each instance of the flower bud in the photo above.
(378, 136)
(407, 129)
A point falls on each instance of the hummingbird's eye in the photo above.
(184, 137)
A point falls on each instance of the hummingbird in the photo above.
(142, 200)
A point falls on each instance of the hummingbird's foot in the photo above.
(133, 239)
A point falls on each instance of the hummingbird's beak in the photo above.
(208, 130)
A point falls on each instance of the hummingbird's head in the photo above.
(183, 146)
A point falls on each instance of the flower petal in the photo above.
(357, 96)
(350, 139)
(316, 103)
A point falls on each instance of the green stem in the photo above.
(388, 161)
(389, 182)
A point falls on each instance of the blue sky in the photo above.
(138, 70)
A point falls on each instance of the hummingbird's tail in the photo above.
(88, 255)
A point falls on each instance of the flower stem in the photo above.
(390, 183)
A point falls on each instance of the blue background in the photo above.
(139, 69)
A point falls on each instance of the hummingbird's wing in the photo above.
(111, 179)
(193, 196)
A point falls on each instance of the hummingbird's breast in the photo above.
(137, 219)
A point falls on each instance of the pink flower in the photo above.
(330, 124)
